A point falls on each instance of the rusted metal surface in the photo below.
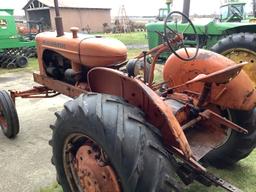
(215, 118)
(93, 176)
(208, 131)
(138, 94)
(35, 92)
(237, 94)
(74, 31)
(221, 76)
(3, 122)
(58, 19)
(204, 95)
(155, 52)
(87, 166)
(191, 123)
(197, 128)
(59, 86)
(220, 182)
(204, 131)
(180, 110)
(160, 114)
(204, 137)
(85, 50)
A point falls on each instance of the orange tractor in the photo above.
(125, 132)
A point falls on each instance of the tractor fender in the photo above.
(238, 94)
(135, 92)
(242, 27)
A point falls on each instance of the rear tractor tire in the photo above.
(239, 47)
(9, 121)
(101, 143)
(237, 146)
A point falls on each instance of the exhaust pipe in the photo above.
(186, 9)
(58, 20)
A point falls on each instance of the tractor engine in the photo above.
(69, 57)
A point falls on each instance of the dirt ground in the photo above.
(25, 161)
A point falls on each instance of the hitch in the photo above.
(35, 92)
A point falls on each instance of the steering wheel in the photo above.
(175, 39)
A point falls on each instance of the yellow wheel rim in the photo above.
(240, 55)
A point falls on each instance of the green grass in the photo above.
(53, 188)
(134, 38)
(133, 53)
(242, 175)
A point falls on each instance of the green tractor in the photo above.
(14, 48)
(163, 12)
(235, 40)
(234, 11)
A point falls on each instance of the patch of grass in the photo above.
(133, 53)
(134, 38)
(242, 175)
(32, 64)
(53, 188)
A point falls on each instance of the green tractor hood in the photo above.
(212, 29)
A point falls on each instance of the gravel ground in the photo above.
(25, 161)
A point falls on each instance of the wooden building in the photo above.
(88, 15)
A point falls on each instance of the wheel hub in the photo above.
(3, 122)
(89, 170)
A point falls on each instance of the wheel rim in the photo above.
(3, 122)
(87, 166)
(241, 55)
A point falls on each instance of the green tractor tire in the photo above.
(239, 47)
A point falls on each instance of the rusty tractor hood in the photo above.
(88, 50)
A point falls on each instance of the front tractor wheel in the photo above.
(101, 143)
(239, 47)
(9, 121)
